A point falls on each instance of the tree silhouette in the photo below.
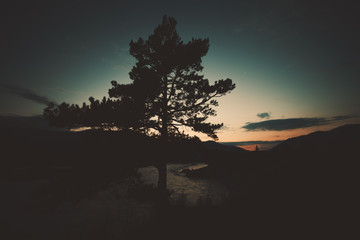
(167, 92)
(106, 114)
(166, 80)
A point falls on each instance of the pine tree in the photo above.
(168, 85)
(167, 82)
(167, 91)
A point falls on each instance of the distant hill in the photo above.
(29, 141)
(26, 122)
(344, 138)
(263, 145)
(222, 147)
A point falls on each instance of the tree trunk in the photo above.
(161, 163)
(162, 170)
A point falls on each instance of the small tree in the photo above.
(166, 92)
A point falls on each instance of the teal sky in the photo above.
(291, 60)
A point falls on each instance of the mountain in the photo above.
(341, 139)
(37, 122)
(218, 146)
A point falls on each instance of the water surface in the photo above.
(190, 190)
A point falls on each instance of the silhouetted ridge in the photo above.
(218, 146)
(344, 138)
(26, 122)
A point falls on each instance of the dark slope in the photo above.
(343, 140)
(308, 179)
(218, 146)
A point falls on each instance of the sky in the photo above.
(296, 64)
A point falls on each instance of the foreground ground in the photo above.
(306, 193)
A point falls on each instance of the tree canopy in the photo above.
(167, 90)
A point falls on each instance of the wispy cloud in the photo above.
(264, 115)
(291, 123)
(25, 93)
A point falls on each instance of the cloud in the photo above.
(291, 123)
(338, 118)
(25, 93)
(264, 115)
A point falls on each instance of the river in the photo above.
(103, 213)
(190, 191)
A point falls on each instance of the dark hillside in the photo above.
(313, 175)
